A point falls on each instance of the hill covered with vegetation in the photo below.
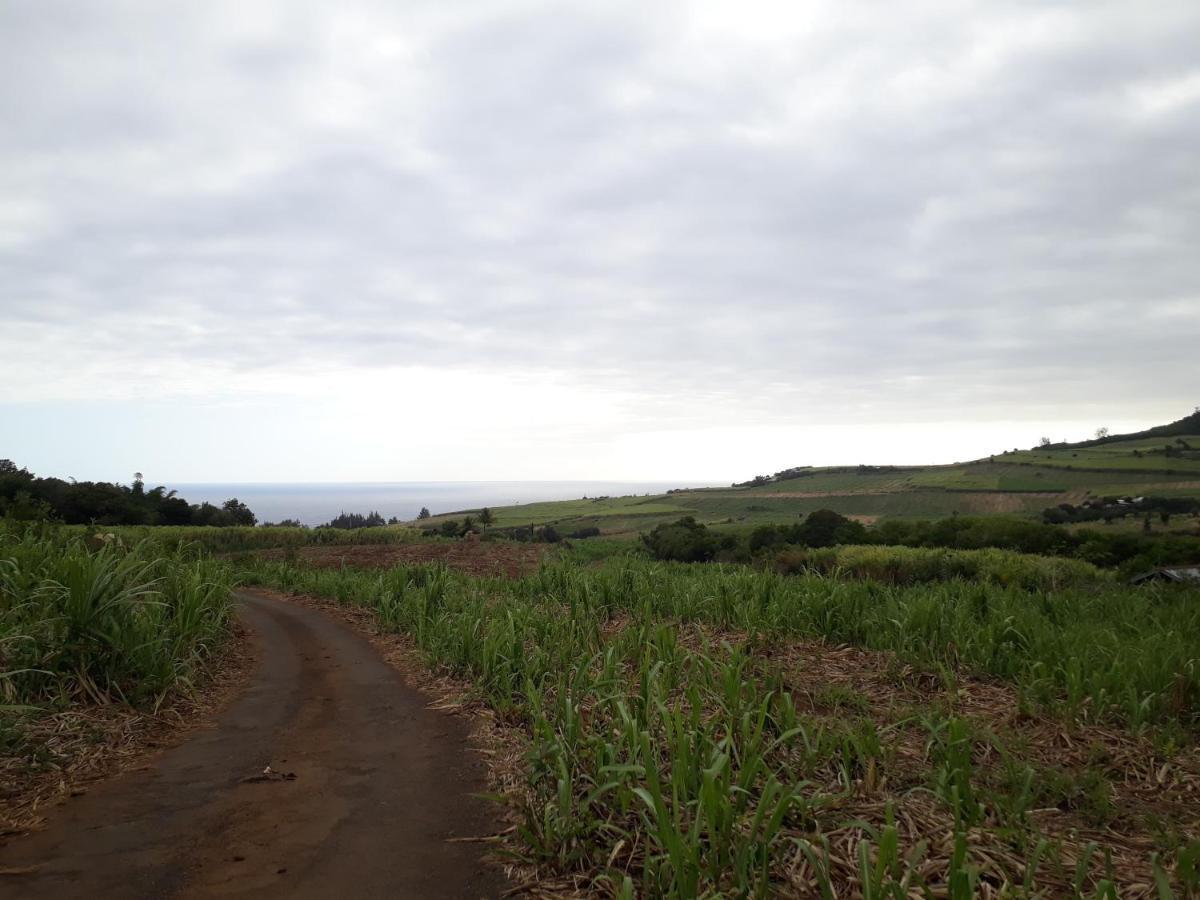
(1146, 469)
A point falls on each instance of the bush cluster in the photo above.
(1129, 551)
(690, 541)
(687, 540)
(920, 565)
(1110, 508)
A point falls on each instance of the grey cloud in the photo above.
(555, 189)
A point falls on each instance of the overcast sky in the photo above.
(282, 241)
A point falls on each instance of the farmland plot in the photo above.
(702, 730)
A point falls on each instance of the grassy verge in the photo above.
(93, 635)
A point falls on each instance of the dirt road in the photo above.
(380, 783)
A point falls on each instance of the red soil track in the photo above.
(381, 782)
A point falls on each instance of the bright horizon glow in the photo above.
(162, 445)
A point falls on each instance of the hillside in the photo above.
(1160, 462)
(1188, 425)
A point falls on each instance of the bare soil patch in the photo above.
(487, 558)
(984, 502)
(864, 520)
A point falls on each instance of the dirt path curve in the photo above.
(381, 782)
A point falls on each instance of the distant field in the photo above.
(631, 514)
(1022, 483)
(576, 510)
(904, 503)
(1133, 525)
(1145, 455)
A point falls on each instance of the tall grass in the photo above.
(919, 565)
(82, 623)
(664, 768)
(170, 538)
(1107, 652)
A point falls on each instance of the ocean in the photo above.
(316, 503)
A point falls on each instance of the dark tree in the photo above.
(685, 540)
(100, 503)
(239, 513)
(355, 520)
(824, 528)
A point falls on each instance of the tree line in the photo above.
(26, 497)
(373, 519)
(687, 540)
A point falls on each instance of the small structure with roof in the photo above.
(1176, 574)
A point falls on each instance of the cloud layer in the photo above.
(751, 215)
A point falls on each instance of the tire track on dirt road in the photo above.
(381, 782)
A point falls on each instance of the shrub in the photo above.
(912, 565)
(685, 540)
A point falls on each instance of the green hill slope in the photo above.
(1160, 462)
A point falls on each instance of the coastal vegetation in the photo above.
(26, 497)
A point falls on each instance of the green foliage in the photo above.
(1131, 552)
(1110, 652)
(688, 541)
(237, 513)
(110, 621)
(25, 497)
(22, 506)
(951, 748)
(918, 565)
(356, 520)
(1188, 425)
(821, 528)
(231, 539)
(684, 541)
(680, 768)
